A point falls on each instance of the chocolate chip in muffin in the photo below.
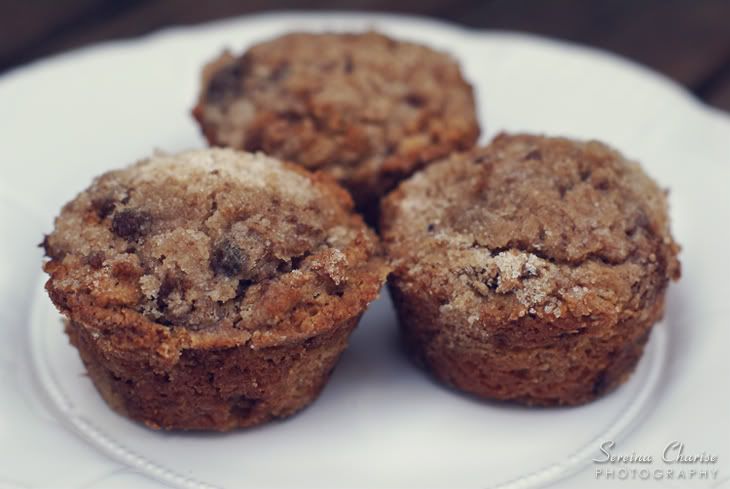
(227, 258)
(169, 284)
(96, 259)
(227, 83)
(104, 207)
(131, 224)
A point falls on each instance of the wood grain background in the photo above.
(688, 40)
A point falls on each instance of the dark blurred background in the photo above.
(688, 40)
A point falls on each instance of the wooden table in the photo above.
(688, 40)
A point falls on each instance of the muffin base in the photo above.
(565, 370)
(214, 389)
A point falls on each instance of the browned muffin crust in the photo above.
(531, 269)
(365, 108)
(211, 289)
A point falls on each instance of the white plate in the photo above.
(380, 422)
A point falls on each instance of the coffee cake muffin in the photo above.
(365, 108)
(211, 289)
(530, 270)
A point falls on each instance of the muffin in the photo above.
(364, 108)
(211, 289)
(530, 270)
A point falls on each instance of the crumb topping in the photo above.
(216, 239)
(532, 226)
(363, 107)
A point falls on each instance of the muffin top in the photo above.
(364, 107)
(546, 228)
(215, 241)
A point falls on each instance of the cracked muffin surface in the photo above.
(531, 269)
(365, 108)
(212, 254)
